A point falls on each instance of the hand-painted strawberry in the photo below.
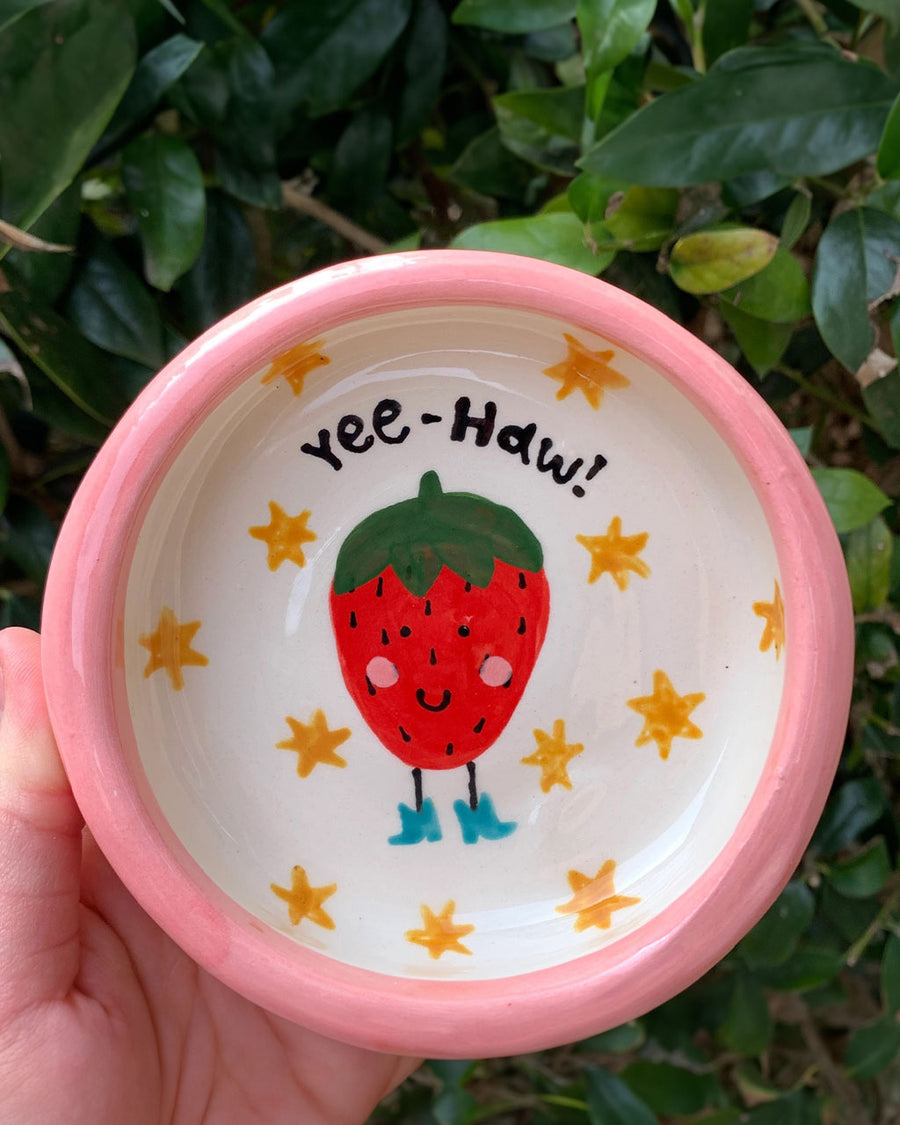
(439, 608)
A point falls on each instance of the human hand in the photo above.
(103, 1019)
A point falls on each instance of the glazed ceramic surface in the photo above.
(456, 651)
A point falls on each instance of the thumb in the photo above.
(40, 840)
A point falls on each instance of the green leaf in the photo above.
(711, 260)
(775, 937)
(610, 30)
(863, 874)
(854, 266)
(725, 26)
(543, 126)
(668, 1089)
(802, 436)
(761, 341)
(424, 60)
(796, 220)
(54, 407)
(797, 1108)
(849, 812)
(45, 276)
(11, 10)
(887, 8)
(868, 553)
(809, 967)
(488, 167)
(555, 238)
(888, 162)
(63, 69)
(611, 1101)
(851, 498)
(514, 18)
(155, 73)
(779, 293)
(27, 536)
(873, 1047)
(224, 275)
(734, 121)
(642, 221)
(77, 367)
(5, 477)
(890, 975)
(323, 53)
(590, 196)
(748, 1026)
(112, 308)
(165, 187)
(618, 1040)
(362, 158)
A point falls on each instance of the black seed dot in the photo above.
(406, 737)
(449, 749)
(508, 682)
(464, 630)
(405, 630)
(432, 659)
(479, 726)
(370, 686)
(522, 582)
(428, 607)
(578, 490)
(352, 619)
(468, 587)
(385, 639)
(521, 629)
(379, 589)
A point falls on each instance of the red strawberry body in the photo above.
(437, 646)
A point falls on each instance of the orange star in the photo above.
(441, 934)
(284, 535)
(773, 633)
(616, 554)
(586, 371)
(666, 714)
(594, 900)
(315, 743)
(305, 901)
(170, 647)
(553, 754)
(296, 363)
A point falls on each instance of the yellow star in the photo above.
(553, 754)
(666, 714)
(586, 371)
(170, 647)
(595, 899)
(773, 633)
(315, 743)
(296, 363)
(441, 934)
(616, 554)
(305, 901)
(284, 535)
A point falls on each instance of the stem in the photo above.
(857, 949)
(828, 397)
(842, 1088)
(815, 17)
(299, 201)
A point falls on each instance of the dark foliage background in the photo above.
(734, 162)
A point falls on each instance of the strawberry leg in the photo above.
(419, 823)
(417, 783)
(473, 787)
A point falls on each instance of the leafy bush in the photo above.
(734, 162)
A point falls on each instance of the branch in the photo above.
(298, 200)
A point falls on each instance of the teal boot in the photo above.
(417, 826)
(482, 821)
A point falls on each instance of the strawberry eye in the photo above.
(381, 672)
(496, 672)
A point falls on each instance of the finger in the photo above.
(40, 840)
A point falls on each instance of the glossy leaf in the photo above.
(854, 267)
(775, 937)
(808, 967)
(873, 1047)
(542, 126)
(11, 10)
(514, 18)
(863, 874)
(362, 158)
(612, 1102)
(748, 1026)
(165, 187)
(725, 26)
(55, 408)
(733, 121)
(778, 293)
(797, 1108)
(668, 1089)
(487, 166)
(712, 260)
(888, 162)
(852, 499)
(641, 221)
(555, 238)
(890, 975)
(796, 220)
(850, 811)
(155, 73)
(57, 98)
(424, 59)
(591, 196)
(626, 1037)
(882, 399)
(323, 53)
(27, 536)
(610, 30)
(763, 342)
(45, 276)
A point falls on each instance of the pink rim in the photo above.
(82, 621)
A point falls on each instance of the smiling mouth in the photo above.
(422, 702)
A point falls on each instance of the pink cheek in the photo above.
(381, 672)
(496, 671)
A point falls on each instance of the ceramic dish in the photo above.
(451, 653)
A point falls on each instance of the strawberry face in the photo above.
(439, 608)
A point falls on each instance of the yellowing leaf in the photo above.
(711, 260)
